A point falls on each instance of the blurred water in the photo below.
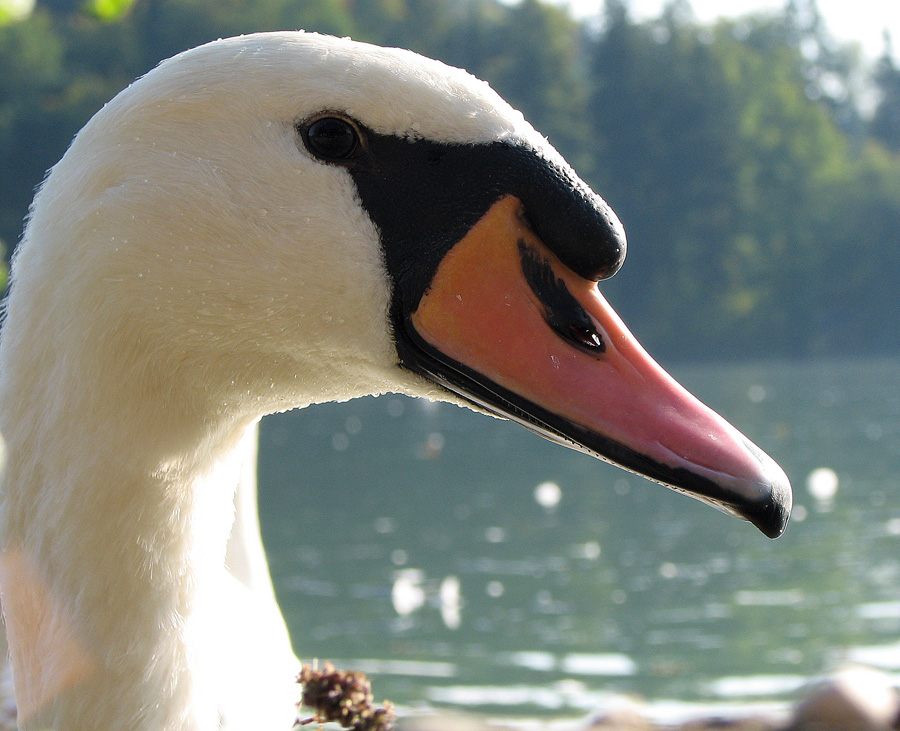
(461, 560)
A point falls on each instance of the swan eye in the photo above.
(332, 139)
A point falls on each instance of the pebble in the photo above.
(852, 699)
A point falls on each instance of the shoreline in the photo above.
(854, 698)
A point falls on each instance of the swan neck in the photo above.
(115, 532)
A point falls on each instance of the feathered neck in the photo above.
(114, 554)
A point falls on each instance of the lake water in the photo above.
(462, 561)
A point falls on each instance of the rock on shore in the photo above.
(852, 699)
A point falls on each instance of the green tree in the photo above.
(885, 124)
(533, 58)
(736, 186)
(665, 116)
(33, 96)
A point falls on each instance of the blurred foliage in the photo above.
(762, 206)
(12, 11)
(109, 10)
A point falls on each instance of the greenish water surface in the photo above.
(463, 561)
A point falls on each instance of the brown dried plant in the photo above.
(342, 696)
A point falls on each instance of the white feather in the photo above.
(187, 269)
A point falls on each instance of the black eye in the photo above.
(332, 139)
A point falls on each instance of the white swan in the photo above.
(259, 224)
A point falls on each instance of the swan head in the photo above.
(277, 219)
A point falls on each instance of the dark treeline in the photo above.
(762, 206)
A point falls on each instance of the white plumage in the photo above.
(189, 267)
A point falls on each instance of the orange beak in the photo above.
(507, 326)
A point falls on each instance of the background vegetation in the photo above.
(754, 163)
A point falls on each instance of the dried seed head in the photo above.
(344, 697)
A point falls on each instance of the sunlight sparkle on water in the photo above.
(547, 495)
(822, 484)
